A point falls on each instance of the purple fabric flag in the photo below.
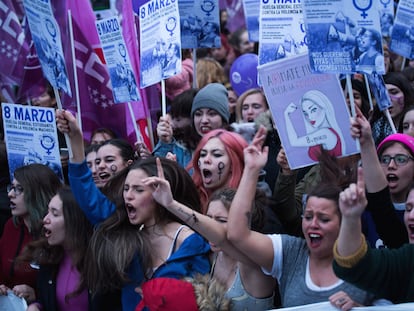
(235, 14)
(34, 82)
(96, 100)
(13, 46)
(7, 89)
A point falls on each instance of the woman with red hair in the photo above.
(218, 162)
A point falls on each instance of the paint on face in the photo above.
(397, 100)
(215, 167)
(109, 161)
(220, 167)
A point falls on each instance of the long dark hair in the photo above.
(78, 231)
(116, 241)
(40, 184)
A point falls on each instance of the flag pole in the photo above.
(351, 94)
(371, 105)
(352, 101)
(163, 100)
(195, 84)
(75, 73)
(390, 121)
(59, 104)
(134, 122)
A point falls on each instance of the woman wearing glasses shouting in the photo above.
(30, 192)
(389, 175)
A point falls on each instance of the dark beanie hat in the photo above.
(212, 96)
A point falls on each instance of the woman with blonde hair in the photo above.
(209, 71)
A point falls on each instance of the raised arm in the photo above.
(96, 206)
(352, 202)
(258, 247)
(67, 124)
(388, 225)
(209, 228)
(374, 176)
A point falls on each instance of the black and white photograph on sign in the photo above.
(200, 24)
(281, 31)
(160, 42)
(402, 36)
(47, 40)
(346, 38)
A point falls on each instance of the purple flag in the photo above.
(33, 83)
(96, 99)
(13, 47)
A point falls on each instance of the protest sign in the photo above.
(281, 31)
(160, 41)
(124, 85)
(31, 137)
(200, 24)
(402, 36)
(344, 36)
(309, 110)
(47, 40)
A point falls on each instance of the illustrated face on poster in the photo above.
(320, 125)
(309, 111)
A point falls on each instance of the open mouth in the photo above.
(392, 180)
(315, 239)
(207, 176)
(131, 211)
(104, 176)
(47, 233)
(205, 129)
(12, 205)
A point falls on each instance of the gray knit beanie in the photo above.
(212, 96)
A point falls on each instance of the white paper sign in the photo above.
(31, 137)
(344, 36)
(48, 43)
(160, 41)
(281, 31)
(124, 85)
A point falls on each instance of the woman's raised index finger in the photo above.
(160, 171)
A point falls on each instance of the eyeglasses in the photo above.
(399, 159)
(18, 190)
